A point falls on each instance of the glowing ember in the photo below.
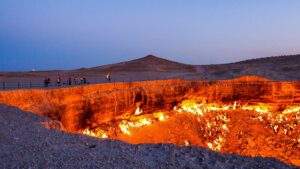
(186, 143)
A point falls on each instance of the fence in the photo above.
(5, 85)
(39, 85)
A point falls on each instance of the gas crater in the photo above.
(248, 116)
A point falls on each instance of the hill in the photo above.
(147, 63)
(152, 68)
(273, 68)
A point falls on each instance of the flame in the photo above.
(160, 116)
(125, 125)
(99, 134)
(293, 109)
(186, 143)
(192, 107)
(260, 108)
(200, 109)
(214, 119)
(138, 111)
(234, 105)
(224, 127)
(276, 128)
(124, 128)
(216, 144)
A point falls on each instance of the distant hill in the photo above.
(147, 63)
(285, 58)
(273, 68)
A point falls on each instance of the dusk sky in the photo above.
(68, 34)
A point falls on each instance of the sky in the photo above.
(69, 34)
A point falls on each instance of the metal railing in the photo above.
(11, 85)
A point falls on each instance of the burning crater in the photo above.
(248, 116)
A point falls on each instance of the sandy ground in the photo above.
(26, 143)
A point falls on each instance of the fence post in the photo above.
(3, 85)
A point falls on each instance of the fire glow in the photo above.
(218, 128)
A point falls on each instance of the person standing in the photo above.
(75, 80)
(108, 78)
(70, 81)
(46, 82)
(58, 80)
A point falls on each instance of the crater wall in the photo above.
(77, 106)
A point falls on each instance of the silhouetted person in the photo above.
(49, 80)
(75, 80)
(70, 81)
(46, 82)
(58, 80)
(84, 80)
(81, 80)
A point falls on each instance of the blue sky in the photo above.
(67, 34)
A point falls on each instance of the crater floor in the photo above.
(26, 143)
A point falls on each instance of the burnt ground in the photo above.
(26, 143)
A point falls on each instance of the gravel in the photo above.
(26, 143)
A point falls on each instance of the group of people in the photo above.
(74, 80)
(47, 81)
(77, 80)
